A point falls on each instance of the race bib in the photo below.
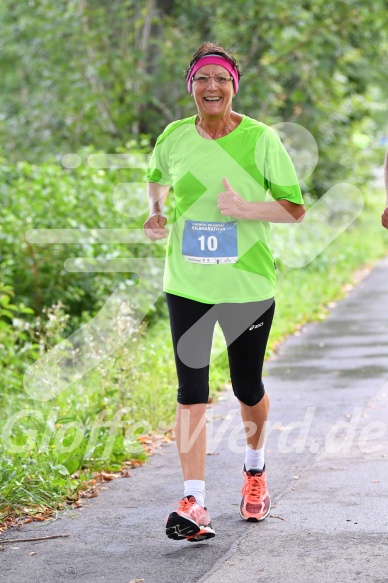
(210, 242)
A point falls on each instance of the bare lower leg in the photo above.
(256, 416)
(190, 435)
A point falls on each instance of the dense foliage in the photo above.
(47, 196)
(76, 72)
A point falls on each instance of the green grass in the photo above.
(135, 388)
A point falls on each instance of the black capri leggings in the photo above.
(246, 329)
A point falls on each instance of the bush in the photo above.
(51, 197)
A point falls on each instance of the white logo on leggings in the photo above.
(257, 326)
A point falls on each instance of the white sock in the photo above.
(254, 458)
(195, 488)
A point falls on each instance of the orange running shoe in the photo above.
(256, 502)
(190, 521)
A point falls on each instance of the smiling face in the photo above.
(213, 100)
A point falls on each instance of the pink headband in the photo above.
(213, 60)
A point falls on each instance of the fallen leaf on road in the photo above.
(375, 481)
(144, 439)
(107, 477)
(91, 494)
(39, 517)
(150, 443)
(135, 463)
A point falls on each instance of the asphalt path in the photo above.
(326, 458)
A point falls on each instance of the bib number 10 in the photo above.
(211, 242)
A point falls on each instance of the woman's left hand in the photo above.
(231, 203)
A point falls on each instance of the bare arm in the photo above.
(157, 194)
(154, 225)
(280, 211)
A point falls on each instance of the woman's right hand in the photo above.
(384, 218)
(154, 227)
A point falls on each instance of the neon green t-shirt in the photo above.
(255, 163)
